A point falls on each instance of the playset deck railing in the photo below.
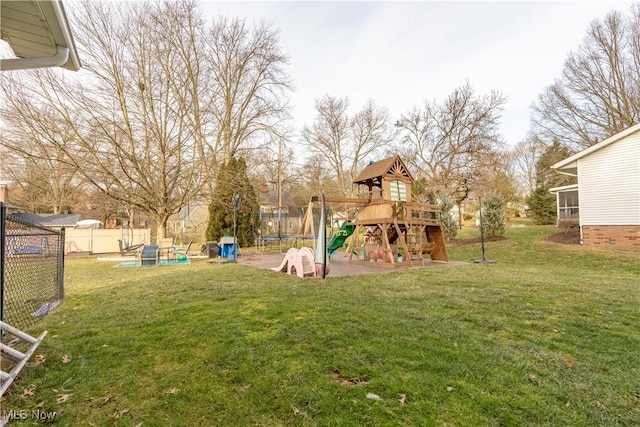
(424, 213)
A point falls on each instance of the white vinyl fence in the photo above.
(104, 241)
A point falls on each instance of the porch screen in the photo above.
(568, 205)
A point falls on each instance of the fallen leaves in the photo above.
(118, 414)
(298, 412)
(65, 359)
(403, 399)
(570, 362)
(100, 401)
(29, 391)
(532, 378)
(62, 398)
(172, 390)
(37, 359)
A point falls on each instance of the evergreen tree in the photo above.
(494, 216)
(542, 203)
(232, 179)
(448, 221)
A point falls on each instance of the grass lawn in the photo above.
(548, 335)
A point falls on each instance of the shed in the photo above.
(608, 190)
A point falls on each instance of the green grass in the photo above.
(549, 335)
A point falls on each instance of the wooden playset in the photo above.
(387, 227)
(390, 228)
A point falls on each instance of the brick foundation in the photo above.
(619, 236)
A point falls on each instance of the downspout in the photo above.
(58, 9)
(580, 217)
(57, 60)
(558, 209)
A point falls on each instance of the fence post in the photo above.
(60, 266)
(3, 215)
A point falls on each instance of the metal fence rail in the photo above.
(32, 270)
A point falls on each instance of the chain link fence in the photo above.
(32, 270)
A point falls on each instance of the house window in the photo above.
(398, 191)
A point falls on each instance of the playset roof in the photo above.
(391, 166)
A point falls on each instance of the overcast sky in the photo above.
(400, 53)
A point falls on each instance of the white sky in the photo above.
(400, 53)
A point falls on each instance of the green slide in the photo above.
(337, 241)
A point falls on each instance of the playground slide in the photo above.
(289, 256)
(337, 241)
(297, 261)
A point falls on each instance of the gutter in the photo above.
(57, 60)
(66, 55)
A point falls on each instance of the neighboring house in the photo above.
(606, 200)
(192, 220)
(190, 223)
(288, 221)
(56, 221)
(4, 198)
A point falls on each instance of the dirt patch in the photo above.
(455, 241)
(346, 381)
(571, 237)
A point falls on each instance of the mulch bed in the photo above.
(571, 237)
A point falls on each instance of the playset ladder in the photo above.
(20, 358)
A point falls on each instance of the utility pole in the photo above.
(280, 193)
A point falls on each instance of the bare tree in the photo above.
(37, 166)
(317, 178)
(370, 132)
(598, 94)
(251, 85)
(450, 143)
(524, 158)
(129, 124)
(344, 143)
(43, 184)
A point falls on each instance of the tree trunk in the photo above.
(161, 228)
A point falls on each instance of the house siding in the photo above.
(609, 189)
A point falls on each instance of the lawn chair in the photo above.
(166, 250)
(124, 249)
(148, 256)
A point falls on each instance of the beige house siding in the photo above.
(608, 190)
(609, 184)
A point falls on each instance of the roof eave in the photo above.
(565, 166)
(570, 187)
(60, 41)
